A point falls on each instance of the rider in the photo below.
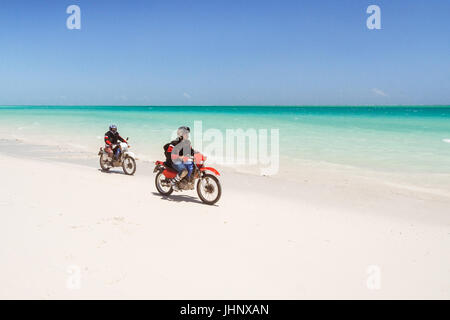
(112, 137)
(177, 154)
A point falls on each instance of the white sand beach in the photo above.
(314, 236)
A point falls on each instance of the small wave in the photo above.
(446, 140)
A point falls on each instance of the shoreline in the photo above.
(429, 183)
(411, 140)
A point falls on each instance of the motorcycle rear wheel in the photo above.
(103, 164)
(209, 189)
(162, 190)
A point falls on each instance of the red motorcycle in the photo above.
(208, 185)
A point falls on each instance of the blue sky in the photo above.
(224, 52)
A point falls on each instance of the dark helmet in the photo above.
(113, 128)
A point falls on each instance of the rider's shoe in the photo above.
(174, 185)
(174, 182)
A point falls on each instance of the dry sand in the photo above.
(312, 237)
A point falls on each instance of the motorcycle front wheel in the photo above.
(129, 166)
(209, 189)
(163, 190)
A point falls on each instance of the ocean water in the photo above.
(395, 139)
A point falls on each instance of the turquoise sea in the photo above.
(407, 138)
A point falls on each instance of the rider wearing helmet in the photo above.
(112, 137)
(177, 154)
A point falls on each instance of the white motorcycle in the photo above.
(127, 159)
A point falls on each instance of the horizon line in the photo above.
(228, 105)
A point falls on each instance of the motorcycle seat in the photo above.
(167, 165)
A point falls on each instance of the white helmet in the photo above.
(182, 131)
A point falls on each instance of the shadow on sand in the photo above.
(112, 172)
(181, 198)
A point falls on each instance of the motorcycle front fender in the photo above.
(210, 169)
(129, 154)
